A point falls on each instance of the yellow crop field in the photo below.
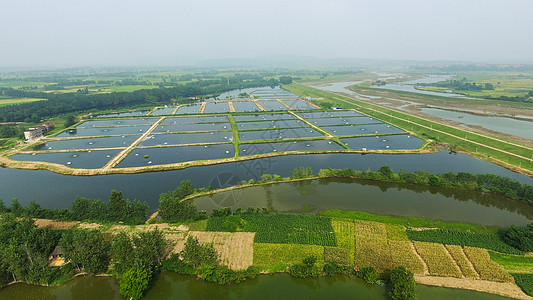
(437, 259)
(462, 261)
(396, 232)
(486, 268)
(370, 229)
(372, 252)
(402, 254)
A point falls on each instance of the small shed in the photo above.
(56, 257)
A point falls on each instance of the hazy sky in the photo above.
(128, 32)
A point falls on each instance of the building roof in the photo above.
(57, 251)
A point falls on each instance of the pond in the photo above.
(195, 119)
(192, 127)
(272, 105)
(329, 114)
(118, 122)
(189, 109)
(167, 155)
(261, 117)
(287, 133)
(216, 107)
(299, 104)
(138, 113)
(257, 148)
(383, 198)
(169, 285)
(245, 106)
(187, 138)
(163, 111)
(271, 124)
(344, 121)
(511, 126)
(104, 131)
(362, 129)
(14, 183)
(384, 142)
(89, 143)
(79, 159)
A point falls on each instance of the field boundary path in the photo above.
(119, 157)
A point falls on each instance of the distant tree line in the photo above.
(462, 85)
(57, 104)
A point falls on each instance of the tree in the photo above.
(16, 208)
(3, 207)
(171, 206)
(86, 249)
(70, 120)
(403, 284)
(197, 255)
(285, 79)
(118, 207)
(520, 237)
(122, 253)
(134, 283)
(386, 171)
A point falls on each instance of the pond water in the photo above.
(189, 109)
(299, 104)
(216, 107)
(344, 121)
(118, 122)
(14, 183)
(79, 159)
(329, 114)
(169, 285)
(383, 142)
(163, 111)
(187, 138)
(103, 131)
(262, 117)
(287, 133)
(257, 148)
(501, 124)
(89, 143)
(245, 106)
(273, 93)
(272, 105)
(271, 124)
(169, 155)
(192, 127)
(383, 198)
(362, 129)
(138, 113)
(195, 119)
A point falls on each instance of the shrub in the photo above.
(196, 255)
(368, 274)
(403, 284)
(134, 283)
(520, 237)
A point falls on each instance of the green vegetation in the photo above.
(489, 241)
(281, 228)
(197, 255)
(87, 250)
(520, 237)
(305, 269)
(403, 284)
(172, 209)
(525, 282)
(276, 257)
(513, 263)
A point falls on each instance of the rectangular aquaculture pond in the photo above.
(89, 143)
(216, 107)
(166, 155)
(192, 127)
(382, 128)
(288, 133)
(329, 114)
(163, 111)
(272, 105)
(383, 142)
(271, 124)
(263, 117)
(125, 114)
(259, 148)
(104, 131)
(81, 159)
(244, 106)
(189, 109)
(299, 104)
(195, 119)
(118, 122)
(344, 121)
(186, 138)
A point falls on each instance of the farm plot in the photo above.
(486, 268)
(402, 254)
(437, 259)
(462, 261)
(283, 228)
(373, 252)
(371, 229)
(285, 254)
(345, 236)
(235, 250)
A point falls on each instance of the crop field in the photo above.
(234, 250)
(437, 259)
(396, 232)
(489, 241)
(283, 228)
(10, 101)
(285, 254)
(371, 229)
(486, 268)
(402, 254)
(340, 255)
(372, 252)
(462, 261)
(513, 263)
(525, 282)
(345, 236)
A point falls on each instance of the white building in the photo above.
(33, 133)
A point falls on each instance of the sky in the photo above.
(71, 33)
